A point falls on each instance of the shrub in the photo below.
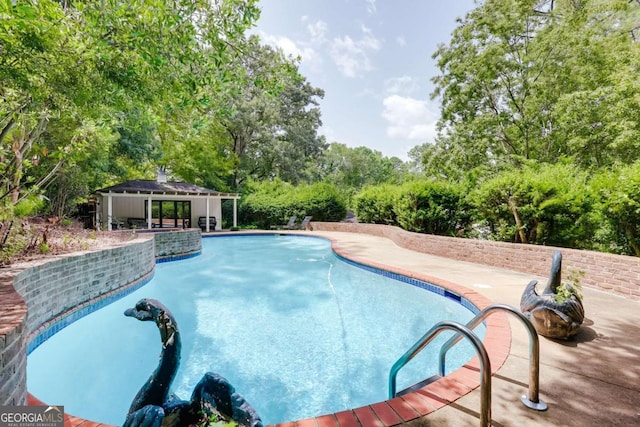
(322, 201)
(29, 206)
(434, 207)
(375, 204)
(271, 203)
(617, 210)
(540, 204)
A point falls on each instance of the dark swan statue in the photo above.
(551, 318)
(153, 406)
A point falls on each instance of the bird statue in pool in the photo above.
(551, 318)
(153, 406)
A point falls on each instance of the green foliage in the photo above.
(541, 204)
(540, 80)
(272, 118)
(101, 90)
(29, 206)
(425, 206)
(272, 203)
(617, 192)
(215, 420)
(434, 207)
(322, 201)
(539, 118)
(266, 203)
(350, 169)
(376, 204)
(570, 288)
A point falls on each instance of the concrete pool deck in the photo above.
(592, 380)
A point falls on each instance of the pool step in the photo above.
(418, 386)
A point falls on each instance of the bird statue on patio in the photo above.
(550, 317)
(212, 398)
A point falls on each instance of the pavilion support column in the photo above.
(235, 213)
(109, 212)
(207, 218)
(149, 212)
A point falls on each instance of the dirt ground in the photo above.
(34, 238)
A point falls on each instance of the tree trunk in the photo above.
(18, 144)
(631, 232)
(519, 226)
(533, 234)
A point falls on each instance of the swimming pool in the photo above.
(298, 332)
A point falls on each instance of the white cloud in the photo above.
(401, 41)
(371, 6)
(290, 48)
(369, 40)
(409, 118)
(401, 85)
(318, 32)
(352, 56)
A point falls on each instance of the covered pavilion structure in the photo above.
(147, 204)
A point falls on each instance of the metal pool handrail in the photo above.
(485, 364)
(533, 400)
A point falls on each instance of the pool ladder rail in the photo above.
(532, 400)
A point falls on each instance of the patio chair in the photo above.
(304, 225)
(288, 226)
(202, 223)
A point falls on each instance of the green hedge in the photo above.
(539, 204)
(556, 205)
(617, 210)
(435, 207)
(375, 204)
(273, 203)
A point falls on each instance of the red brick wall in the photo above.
(617, 274)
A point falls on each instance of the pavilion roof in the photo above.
(147, 186)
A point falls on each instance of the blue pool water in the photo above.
(298, 332)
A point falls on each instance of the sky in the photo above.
(373, 60)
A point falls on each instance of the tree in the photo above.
(273, 117)
(535, 80)
(489, 71)
(595, 56)
(353, 168)
(100, 69)
(89, 90)
(38, 42)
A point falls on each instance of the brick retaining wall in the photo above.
(48, 288)
(178, 242)
(617, 274)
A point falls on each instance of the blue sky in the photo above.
(373, 60)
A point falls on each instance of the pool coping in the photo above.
(410, 406)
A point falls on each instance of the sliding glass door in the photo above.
(169, 213)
